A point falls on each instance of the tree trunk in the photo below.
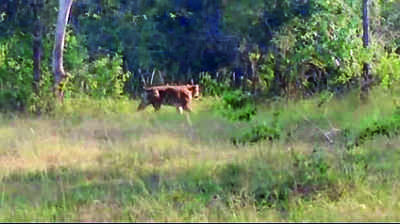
(58, 68)
(366, 70)
(37, 46)
(37, 58)
(255, 77)
(278, 86)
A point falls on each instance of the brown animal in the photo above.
(179, 96)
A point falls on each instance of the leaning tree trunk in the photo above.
(58, 68)
(366, 70)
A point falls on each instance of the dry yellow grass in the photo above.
(92, 165)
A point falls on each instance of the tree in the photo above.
(366, 70)
(58, 68)
(37, 43)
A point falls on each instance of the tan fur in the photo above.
(178, 96)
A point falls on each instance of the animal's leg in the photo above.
(179, 109)
(187, 107)
(142, 106)
(156, 106)
(188, 119)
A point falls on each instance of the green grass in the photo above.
(103, 161)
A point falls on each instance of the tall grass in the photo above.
(103, 161)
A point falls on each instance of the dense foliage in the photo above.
(274, 47)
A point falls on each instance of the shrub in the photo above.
(16, 72)
(238, 106)
(388, 69)
(386, 126)
(320, 51)
(44, 100)
(260, 132)
(311, 169)
(104, 78)
(213, 87)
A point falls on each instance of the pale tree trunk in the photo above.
(58, 68)
(366, 79)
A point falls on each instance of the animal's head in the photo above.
(148, 96)
(195, 90)
(150, 93)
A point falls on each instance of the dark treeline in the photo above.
(182, 38)
(270, 46)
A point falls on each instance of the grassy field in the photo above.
(103, 161)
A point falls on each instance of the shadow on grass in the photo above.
(64, 191)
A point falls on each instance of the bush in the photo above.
(260, 132)
(388, 69)
(320, 51)
(44, 100)
(386, 126)
(16, 72)
(213, 87)
(104, 78)
(311, 169)
(238, 106)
